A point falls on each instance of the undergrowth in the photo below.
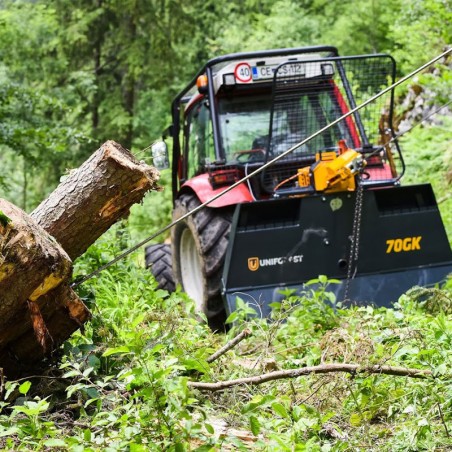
(122, 384)
(427, 152)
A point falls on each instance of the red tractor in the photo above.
(333, 205)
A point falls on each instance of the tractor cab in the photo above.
(242, 110)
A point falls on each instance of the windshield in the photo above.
(298, 116)
(244, 125)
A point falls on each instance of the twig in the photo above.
(232, 343)
(322, 369)
(316, 390)
(442, 420)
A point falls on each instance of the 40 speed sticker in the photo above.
(254, 263)
(243, 73)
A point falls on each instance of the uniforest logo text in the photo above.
(254, 263)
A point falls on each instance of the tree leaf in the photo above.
(209, 428)
(255, 425)
(9, 431)
(356, 419)
(116, 351)
(25, 387)
(55, 442)
(279, 409)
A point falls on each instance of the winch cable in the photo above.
(85, 278)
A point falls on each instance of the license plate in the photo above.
(287, 70)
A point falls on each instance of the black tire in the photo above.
(199, 245)
(158, 260)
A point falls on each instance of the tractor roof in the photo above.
(256, 67)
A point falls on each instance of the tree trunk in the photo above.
(33, 266)
(38, 309)
(95, 196)
(32, 263)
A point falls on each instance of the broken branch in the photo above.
(231, 344)
(322, 369)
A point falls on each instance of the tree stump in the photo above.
(38, 309)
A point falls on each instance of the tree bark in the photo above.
(38, 309)
(33, 268)
(95, 196)
(32, 263)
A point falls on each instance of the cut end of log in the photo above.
(124, 158)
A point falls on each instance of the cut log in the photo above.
(95, 196)
(32, 263)
(38, 309)
(33, 266)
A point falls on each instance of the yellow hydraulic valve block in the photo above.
(331, 172)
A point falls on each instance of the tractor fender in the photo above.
(204, 191)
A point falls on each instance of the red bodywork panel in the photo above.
(349, 120)
(204, 191)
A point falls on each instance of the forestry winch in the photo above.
(302, 215)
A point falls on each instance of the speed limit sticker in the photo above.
(243, 73)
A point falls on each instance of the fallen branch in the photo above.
(322, 369)
(232, 343)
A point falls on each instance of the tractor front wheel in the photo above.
(199, 244)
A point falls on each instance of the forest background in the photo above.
(74, 74)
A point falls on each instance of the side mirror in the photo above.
(160, 155)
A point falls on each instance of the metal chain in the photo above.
(355, 238)
(357, 215)
(359, 211)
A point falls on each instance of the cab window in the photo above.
(199, 147)
(243, 120)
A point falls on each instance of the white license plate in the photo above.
(287, 70)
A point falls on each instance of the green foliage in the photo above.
(419, 28)
(4, 220)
